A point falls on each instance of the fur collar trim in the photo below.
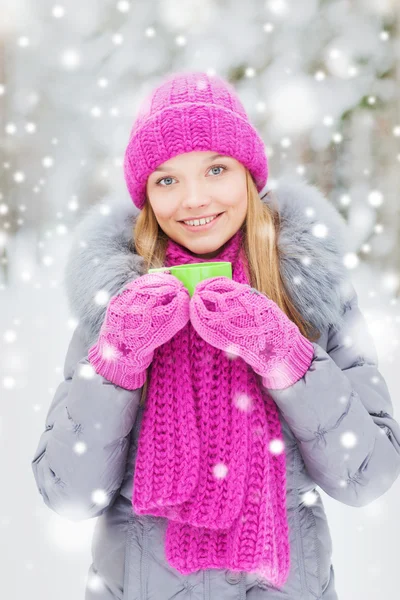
(102, 258)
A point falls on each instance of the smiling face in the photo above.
(197, 184)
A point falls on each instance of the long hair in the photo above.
(260, 230)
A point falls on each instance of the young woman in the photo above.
(208, 421)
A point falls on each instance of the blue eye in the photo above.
(157, 182)
(218, 167)
(213, 167)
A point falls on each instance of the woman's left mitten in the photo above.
(244, 322)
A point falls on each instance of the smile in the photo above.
(204, 227)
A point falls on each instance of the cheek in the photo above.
(163, 207)
(236, 198)
(163, 211)
(239, 207)
(168, 221)
(166, 215)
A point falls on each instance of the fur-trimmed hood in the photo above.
(312, 241)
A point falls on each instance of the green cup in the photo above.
(192, 274)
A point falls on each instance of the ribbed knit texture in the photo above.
(211, 454)
(191, 111)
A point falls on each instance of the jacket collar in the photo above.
(312, 241)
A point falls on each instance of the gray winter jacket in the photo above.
(337, 421)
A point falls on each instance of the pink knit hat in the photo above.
(191, 111)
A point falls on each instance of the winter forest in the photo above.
(320, 79)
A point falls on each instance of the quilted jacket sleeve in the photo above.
(341, 414)
(80, 460)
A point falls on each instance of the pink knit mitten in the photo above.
(242, 321)
(145, 314)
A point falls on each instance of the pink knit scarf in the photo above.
(210, 456)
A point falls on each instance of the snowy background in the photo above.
(321, 82)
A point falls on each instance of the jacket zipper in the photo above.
(316, 550)
(300, 552)
(144, 561)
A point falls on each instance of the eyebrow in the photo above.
(207, 159)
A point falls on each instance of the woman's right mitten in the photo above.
(145, 314)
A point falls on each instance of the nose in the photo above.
(195, 196)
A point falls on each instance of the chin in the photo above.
(207, 250)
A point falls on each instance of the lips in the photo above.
(198, 218)
(199, 228)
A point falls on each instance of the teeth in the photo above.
(200, 221)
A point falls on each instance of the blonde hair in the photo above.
(260, 229)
